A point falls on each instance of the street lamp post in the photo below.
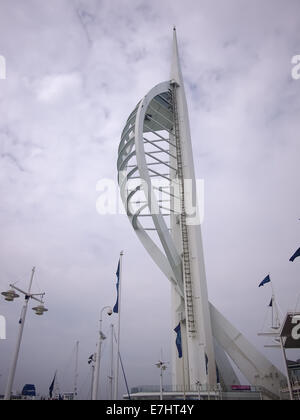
(91, 361)
(198, 385)
(10, 295)
(162, 366)
(98, 354)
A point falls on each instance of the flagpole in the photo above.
(119, 325)
(273, 302)
(111, 378)
(297, 301)
(286, 369)
(272, 311)
(93, 376)
(76, 371)
(183, 370)
(98, 354)
(275, 305)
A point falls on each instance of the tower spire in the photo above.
(176, 73)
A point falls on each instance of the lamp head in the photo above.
(10, 295)
(39, 310)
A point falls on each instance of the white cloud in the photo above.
(51, 88)
(71, 85)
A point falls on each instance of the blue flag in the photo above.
(116, 307)
(297, 254)
(52, 386)
(178, 340)
(206, 363)
(265, 280)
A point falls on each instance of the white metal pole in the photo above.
(297, 301)
(161, 382)
(97, 366)
(18, 345)
(93, 376)
(183, 367)
(183, 373)
(76, 370)
(273, 303)
(286, 369)
(111, 378)
(272, 311)
(119, 327)
(276, 310)
(98, 356)
(199, 391)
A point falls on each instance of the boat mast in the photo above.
(111, 377)
(76, 370)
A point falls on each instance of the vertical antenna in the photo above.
(119, 328)
(111, 377)
(76, 370)
(93, 373)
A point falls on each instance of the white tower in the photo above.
(195, 323)
(157, 183)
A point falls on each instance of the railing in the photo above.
(175, 388)
(202, 393)
(295, 384)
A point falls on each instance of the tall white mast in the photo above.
(111, 377)
(76, 370)
(98, 355)
(119, 328)
(198, 332)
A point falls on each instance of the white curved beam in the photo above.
(133, 146)
(254, 365)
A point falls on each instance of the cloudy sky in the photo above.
(75, 70)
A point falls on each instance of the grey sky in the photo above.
(75, 70)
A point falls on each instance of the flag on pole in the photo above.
(116, 307)
(297, 254)
(271, 303)
(178, 340)
(52, 386)
(265, 281)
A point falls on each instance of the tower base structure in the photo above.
(150, 393)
